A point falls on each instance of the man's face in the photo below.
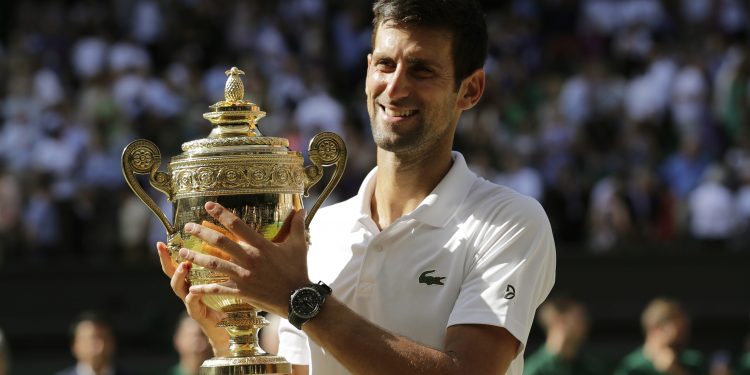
(93, 344)
(410, 87)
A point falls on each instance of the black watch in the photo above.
(306, 302)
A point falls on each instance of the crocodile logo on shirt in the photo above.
(426, 279)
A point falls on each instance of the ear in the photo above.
(471, 90)
(369, 61)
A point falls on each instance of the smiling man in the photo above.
(429, 269)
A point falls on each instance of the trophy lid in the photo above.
(235, 122)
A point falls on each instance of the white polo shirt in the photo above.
(472, 252)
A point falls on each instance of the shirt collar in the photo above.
(439, 206)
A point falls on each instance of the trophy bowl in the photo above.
(257, 178)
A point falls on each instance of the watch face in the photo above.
(306, 302)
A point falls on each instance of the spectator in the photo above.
(191, 345)
(566, 323)
(711, 208)
(93, 347)
(666, 327)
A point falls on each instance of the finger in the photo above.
(286, 228)
(235, 224)
(179, 282)
(222, 288)
(197, 308)
(167, 264)
(213, 263)
(193, 303)
(216, 239)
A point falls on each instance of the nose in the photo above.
(398, 84)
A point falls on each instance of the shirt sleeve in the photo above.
(512, 272)
(293, 344)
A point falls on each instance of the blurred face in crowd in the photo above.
(93, 344)
(189, 340)
(576, 323)
(412, 97)
(675, 331)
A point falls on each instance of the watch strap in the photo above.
(322, 289)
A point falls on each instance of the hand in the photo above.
(261, 271)
(206, 317)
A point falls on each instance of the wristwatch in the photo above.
(305, 303)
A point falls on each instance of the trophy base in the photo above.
(260, 364)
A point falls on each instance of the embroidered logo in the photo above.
(510, 292)
(426, 279)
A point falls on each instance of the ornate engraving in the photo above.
(200, 276)
(244, 361)
(142, 159)
(230, 321)
(208, 143)
(241, 176)
(328, 151)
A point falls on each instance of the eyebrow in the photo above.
(410, 61)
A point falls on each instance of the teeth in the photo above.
(393, 113)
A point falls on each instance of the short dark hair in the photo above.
(96, 317)
(463, 19)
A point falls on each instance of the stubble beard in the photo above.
(391, 141)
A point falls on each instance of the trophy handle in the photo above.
(143, 157)
(325, 149)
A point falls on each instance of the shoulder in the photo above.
(490, 200)
(534, 363)
(494, 215)
(632, 363)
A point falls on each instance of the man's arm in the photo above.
(364, 348)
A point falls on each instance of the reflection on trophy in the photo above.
(256, 177)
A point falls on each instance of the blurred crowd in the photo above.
(627, 119)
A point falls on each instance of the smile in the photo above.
(398, 113)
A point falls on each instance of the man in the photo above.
(93, 347)
(433, 270)
(666, 327)
(566, 323)
(191, 345)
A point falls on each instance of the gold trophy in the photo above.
(256, 177)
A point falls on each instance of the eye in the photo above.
(422, 72)
(385, 65)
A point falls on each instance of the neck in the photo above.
(403, 182)
(562, 344)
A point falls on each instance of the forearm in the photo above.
(364, 348)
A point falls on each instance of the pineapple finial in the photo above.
(234, 90)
